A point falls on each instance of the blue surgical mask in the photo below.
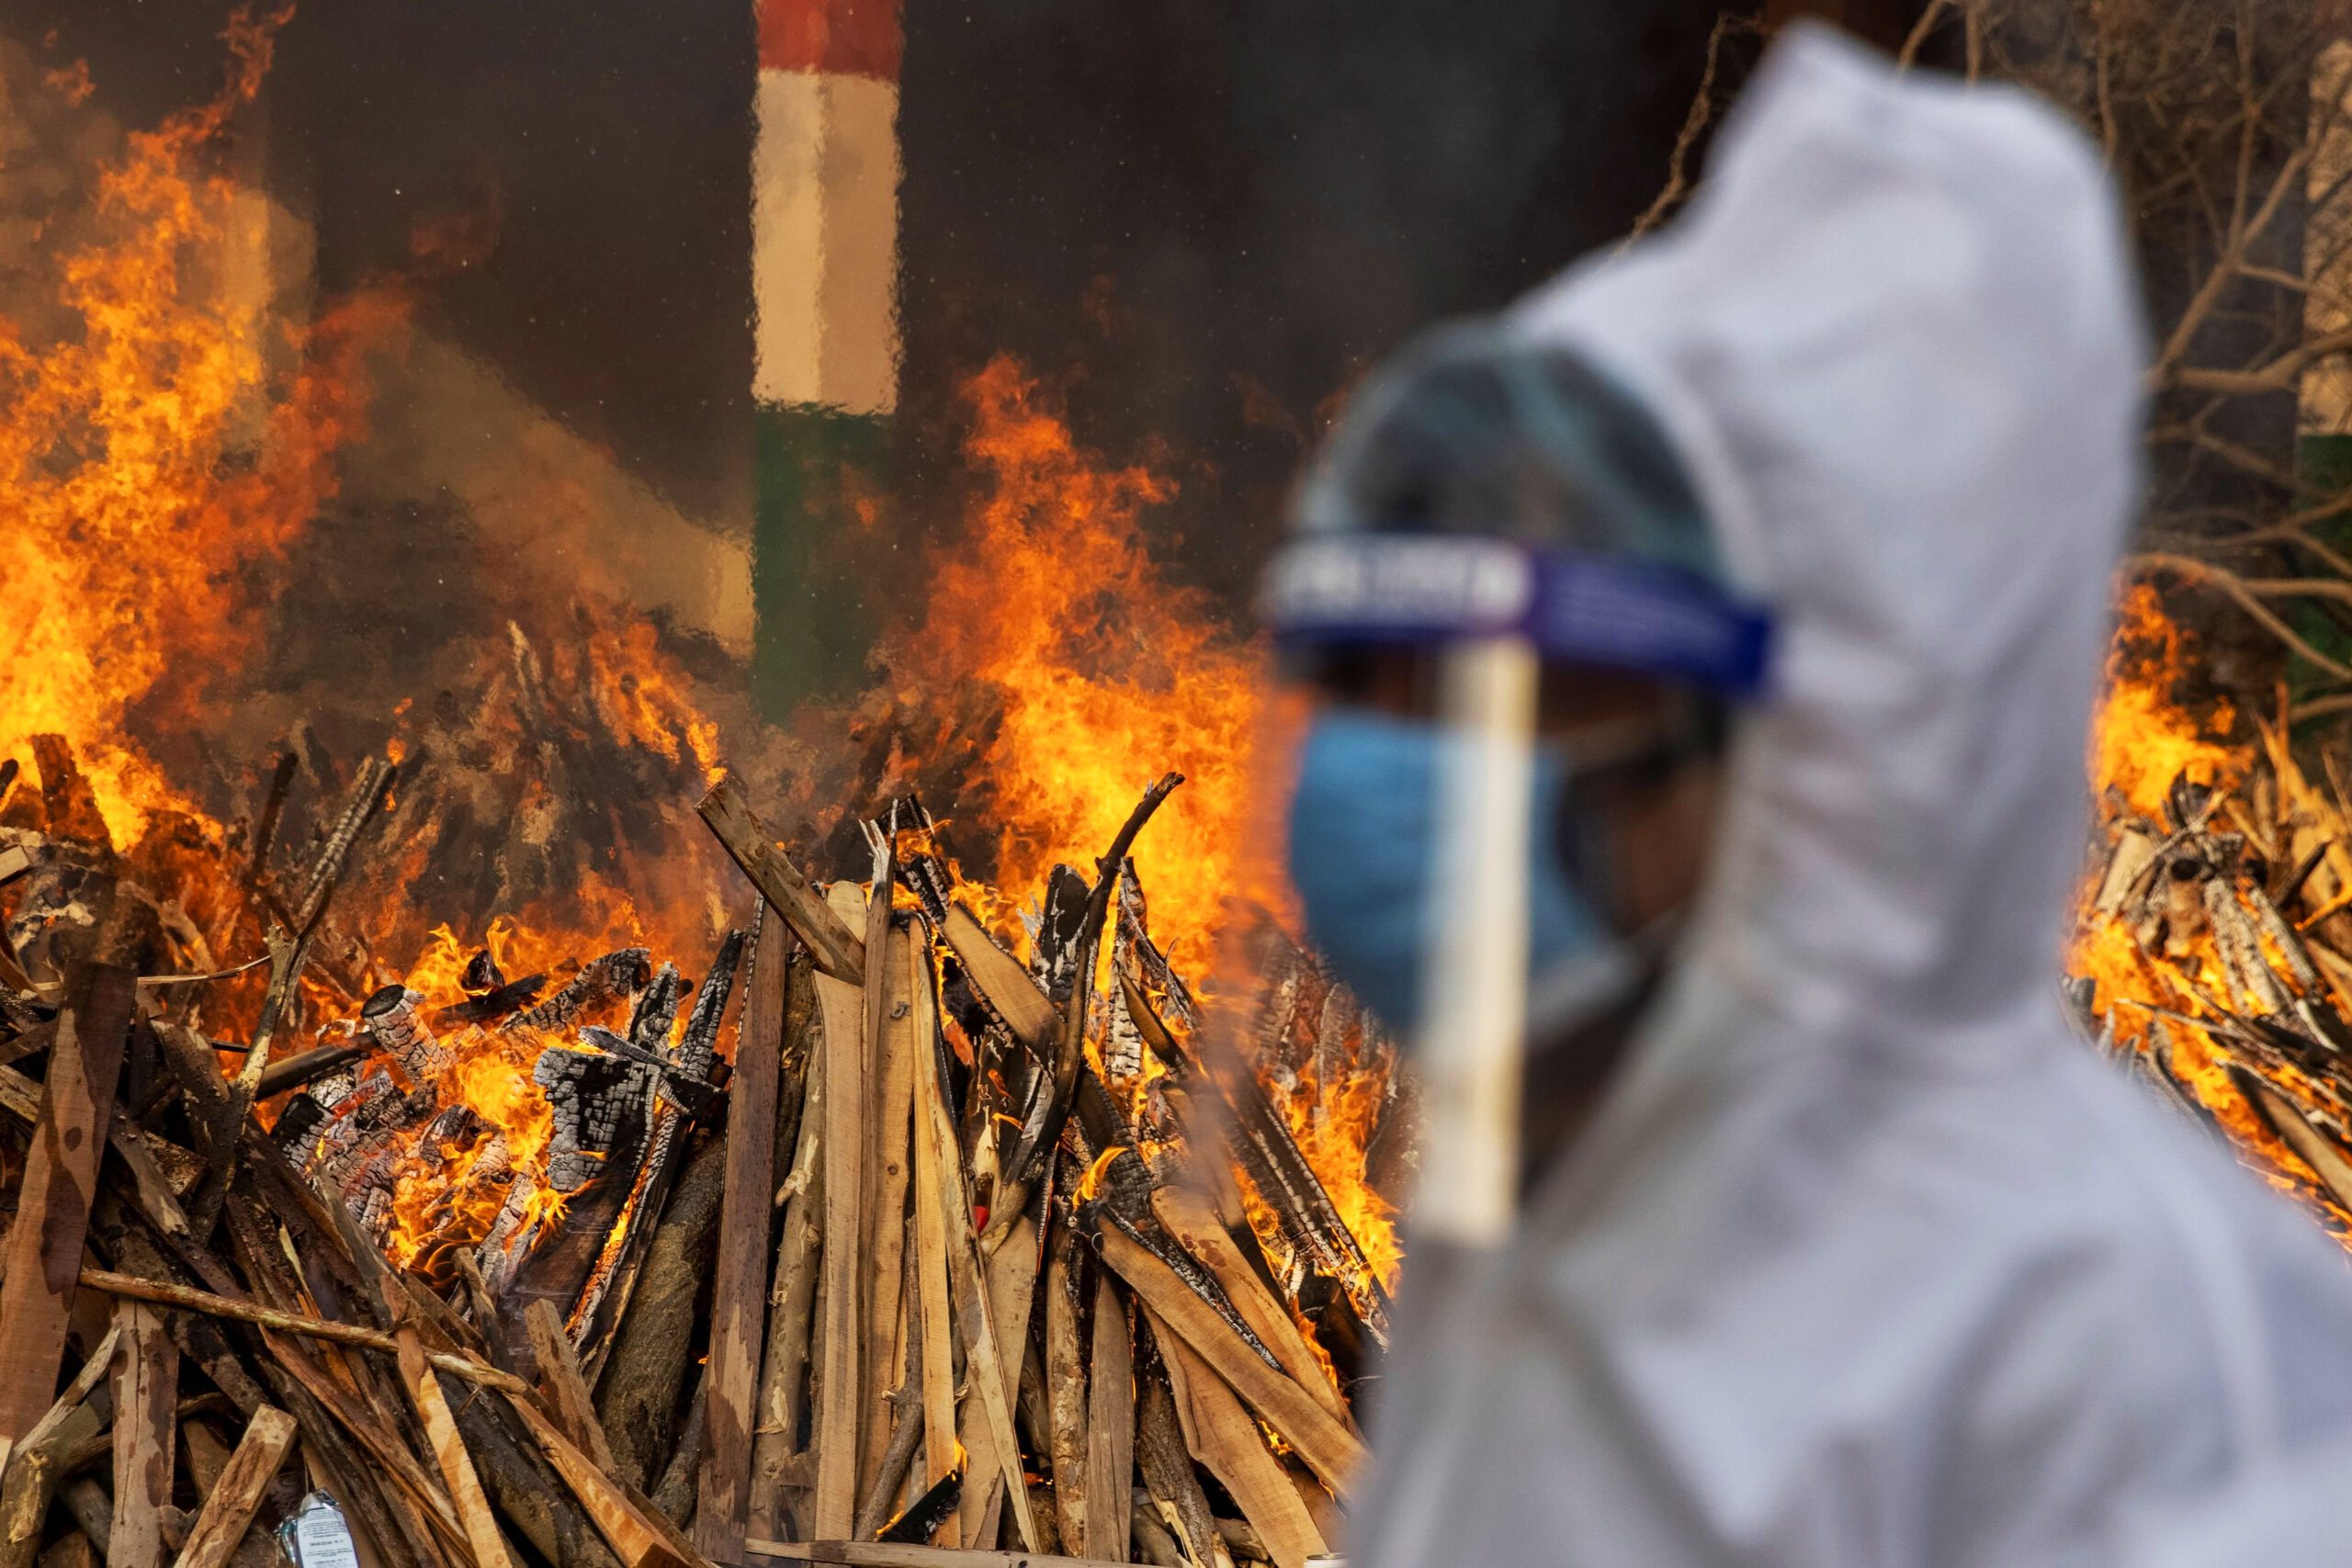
(1363, 835)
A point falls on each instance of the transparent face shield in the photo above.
(1492, 945)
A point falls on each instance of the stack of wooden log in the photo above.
(2214, 959)
(956, 1257)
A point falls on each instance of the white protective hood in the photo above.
(1865, 1261)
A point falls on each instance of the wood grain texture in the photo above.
(1221, 1435)
(1002, 981)
(838, 949)
(559, 1378)
(932, 1308)
(1110, 1424)
(146, 1431)
(229, 1511)
(1330, 1450)
(838, 1361)
(738, 1293)
(456, 1466)
(888, 1169)
(43, 1251)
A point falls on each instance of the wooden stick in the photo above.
(1110, 1424)
(1002, 981)
(1188, 1217)
(1330, 1450)
(449, 1452)
(838, 950)
(738, 1293)
(782, 1369)
(888, 1554)
(44, 1245)
(1165, 1466)
(566, 1390)
(968, 1279)
(146, 1429)
(189, 1298)
(226, 1514)
(1220, 1434)
(1012, 1287)
(888, 1133)
(839, 1330)
(639, 1537)
(935, 1332)
(1066, 1370)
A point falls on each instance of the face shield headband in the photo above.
(1572, 607)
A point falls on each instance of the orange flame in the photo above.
(147, 450)
(1106, 672)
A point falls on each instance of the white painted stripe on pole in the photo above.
(825, 240)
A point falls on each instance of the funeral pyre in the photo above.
(2213, 950)
(411, 1100)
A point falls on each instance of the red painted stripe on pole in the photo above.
(854, 38)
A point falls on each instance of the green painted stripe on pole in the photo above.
(816, 626)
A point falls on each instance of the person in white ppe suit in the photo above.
(1854, 1256)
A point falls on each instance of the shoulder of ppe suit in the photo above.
(2177, 1289)
(1854, 227)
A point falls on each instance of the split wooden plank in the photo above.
(229, 1511)
(1066, 1368)
(635, 1529)
(1221, 1435)
(838, 950)
(776, 1433)
(1188, 1218)
(1003, 981)
(1012, 1287)
(839, 1363)
(43, 1251)
(1329, 1449)
(888, 1170)
(889, 1554)
(566, 1389)
(738, 1293)
(450, 1453)
(146, 1430)
(1110, 1424)
(939, 1444)
(968, 1276)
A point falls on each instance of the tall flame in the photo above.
(1106, 672)
(148, 453)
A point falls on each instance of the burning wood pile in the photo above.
(2213, 953)
(872, 1239)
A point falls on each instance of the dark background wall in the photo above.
(1202, 217)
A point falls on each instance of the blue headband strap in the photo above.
(1575, 608)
